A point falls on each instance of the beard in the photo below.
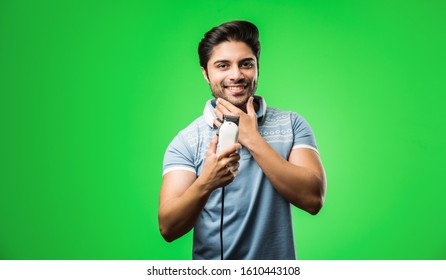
(238, 100)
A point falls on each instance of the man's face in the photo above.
(232, 72)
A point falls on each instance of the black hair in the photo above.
(238, 30)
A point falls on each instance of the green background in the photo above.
(91, 94)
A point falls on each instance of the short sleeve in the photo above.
(303, 134)
(178, 156)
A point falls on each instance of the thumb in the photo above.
(250, 106)
(213, 145)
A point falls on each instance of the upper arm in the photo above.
(304, 152)
(308, 158)
(174, 184)
(178, 169)
(314, 193)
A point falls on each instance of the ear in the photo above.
(205, 75)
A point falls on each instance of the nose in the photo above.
(236, 74)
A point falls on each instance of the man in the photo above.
(277, 160)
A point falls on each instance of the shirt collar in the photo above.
(210, 116)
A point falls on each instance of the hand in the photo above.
(247, 122)
(220, 169)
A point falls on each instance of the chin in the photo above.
(237, 99)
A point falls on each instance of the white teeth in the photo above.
(235, 88)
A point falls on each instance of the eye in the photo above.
(222, 66)
(247, 64)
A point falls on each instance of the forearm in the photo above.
(183, 195)
(301, 186)
(300, 178)
(177, 216)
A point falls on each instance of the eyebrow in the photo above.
(221, 61)
(227, 61)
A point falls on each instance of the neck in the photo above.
(243, 107)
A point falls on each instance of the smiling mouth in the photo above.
(236, 88)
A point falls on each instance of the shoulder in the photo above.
(194, 130)
(193, 127)
(279, 115)
(292, 121)
(193, 139)
(182, 152)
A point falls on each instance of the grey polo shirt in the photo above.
(257, 219)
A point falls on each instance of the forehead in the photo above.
(231, 51)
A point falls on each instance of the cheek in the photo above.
(251, 75)
(253, 79)
(216, 79)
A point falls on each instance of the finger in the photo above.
(234, 158)
(233, 168)
(233, 165)
(230, 150)
(217, 123)
(229, 177)
(236, 166)
(250, 106)
(229, 161)
(213, 145)
(218, 114)
(218, 120)
(220, 111)
(226, 108)
(234, 173)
